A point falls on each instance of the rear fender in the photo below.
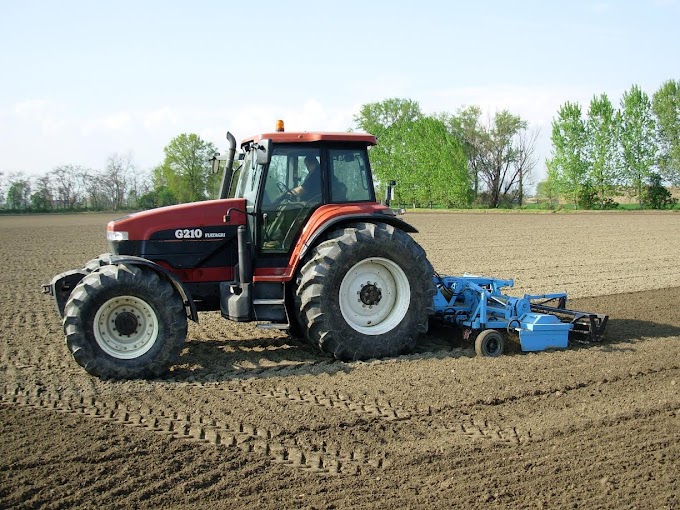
(310, 240)
(324, 219)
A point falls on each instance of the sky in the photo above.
(83, 80)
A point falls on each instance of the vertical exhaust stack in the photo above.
(226, 177)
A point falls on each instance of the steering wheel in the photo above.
(283, 188)
(286, 196)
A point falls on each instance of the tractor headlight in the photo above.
(116, 236)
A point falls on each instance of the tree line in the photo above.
(461, 159)
(183, 176)
(609, 152)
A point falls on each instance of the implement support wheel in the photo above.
(489, 343)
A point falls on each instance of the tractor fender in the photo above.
(334, 223)
(192, 312)
(61, 286)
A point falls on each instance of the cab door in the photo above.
(291, 191)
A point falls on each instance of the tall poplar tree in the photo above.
(602, 148)
(569, 155)
(638, 139)
(666, 107)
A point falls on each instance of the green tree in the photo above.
(418, 152)
(18, 193)
(157, 197)
(602, 149)
(569, 153)
(376, 118)
(656, 195)
(638, 141)
(186, 169)
(433, 164)
(467, 127)
(666, 107)
(388, 120)
(548, 189)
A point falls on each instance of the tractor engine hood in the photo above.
(147, 232)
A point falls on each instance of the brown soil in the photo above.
(250, 418)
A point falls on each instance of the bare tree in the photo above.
(42, 197)
(119, 168)
(67, 186)
(520, 169)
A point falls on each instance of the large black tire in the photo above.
(124, 322)
(365, 292)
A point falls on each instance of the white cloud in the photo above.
(160, 118)
(44, 114)
(32, 110)
(119, 121)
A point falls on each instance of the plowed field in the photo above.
(250, 418)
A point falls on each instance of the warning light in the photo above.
(279, 125)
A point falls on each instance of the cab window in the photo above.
(349, 176)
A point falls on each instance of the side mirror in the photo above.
(215, 163)
(264, 151)
(389, 194)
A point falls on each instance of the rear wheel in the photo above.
(366, 292)
(124, 322)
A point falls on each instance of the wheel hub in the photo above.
(126, 323)
(374, 296)
(126, 327)
(370, 294)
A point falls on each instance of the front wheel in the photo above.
(366, 292)
(124, 322)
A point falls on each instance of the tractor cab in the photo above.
(285, 177)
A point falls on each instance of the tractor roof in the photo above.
(292, 137)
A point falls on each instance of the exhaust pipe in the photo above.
(226, 177)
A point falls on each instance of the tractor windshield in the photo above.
(245, 181)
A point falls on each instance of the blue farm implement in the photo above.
(477, 306)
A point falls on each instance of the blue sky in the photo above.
(83, 80)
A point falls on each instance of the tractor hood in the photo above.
(188, 228)
(144, 225)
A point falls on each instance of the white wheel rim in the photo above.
(138, 337)
(374, 296)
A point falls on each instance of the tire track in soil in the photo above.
(560, 411)
(321, 458)
(249, 438)
(548, 473)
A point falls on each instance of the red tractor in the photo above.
(297, 240)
